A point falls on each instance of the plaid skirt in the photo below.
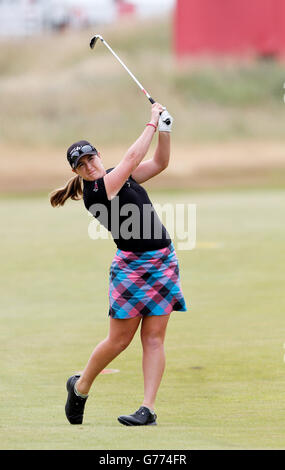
(145, 283)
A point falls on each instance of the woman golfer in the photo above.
(144, 276)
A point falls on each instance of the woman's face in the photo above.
(90, 167)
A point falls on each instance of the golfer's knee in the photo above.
(120, 343)
(152, 341)
(123, 344)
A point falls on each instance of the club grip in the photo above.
(152, 102)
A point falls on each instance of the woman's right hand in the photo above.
(156, 110)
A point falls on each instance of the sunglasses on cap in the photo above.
(78, 152)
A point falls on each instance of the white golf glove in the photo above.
(165, 122)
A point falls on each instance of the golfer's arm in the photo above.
(162, 153)
(158, 163)
(118, 176)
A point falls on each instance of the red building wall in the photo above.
(226, 27)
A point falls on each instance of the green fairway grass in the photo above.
(223, 386)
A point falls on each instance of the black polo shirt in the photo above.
(130, 216)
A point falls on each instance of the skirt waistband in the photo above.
(146, 255)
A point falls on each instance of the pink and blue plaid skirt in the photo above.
(145, 284)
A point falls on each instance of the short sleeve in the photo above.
(132, 178)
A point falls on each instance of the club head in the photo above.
(94, 40)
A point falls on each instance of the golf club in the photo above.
(92, 45)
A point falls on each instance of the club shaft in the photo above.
(129, 72)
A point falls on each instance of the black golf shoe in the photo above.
(142, 417)
(74, 407)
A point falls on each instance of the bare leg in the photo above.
(153, 331)
(120, 335)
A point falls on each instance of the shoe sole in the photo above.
(127, 423)
(71, 420)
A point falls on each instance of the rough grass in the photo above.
(54, 89)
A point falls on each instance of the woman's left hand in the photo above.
(165, 122)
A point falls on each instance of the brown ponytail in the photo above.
(73, 190)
